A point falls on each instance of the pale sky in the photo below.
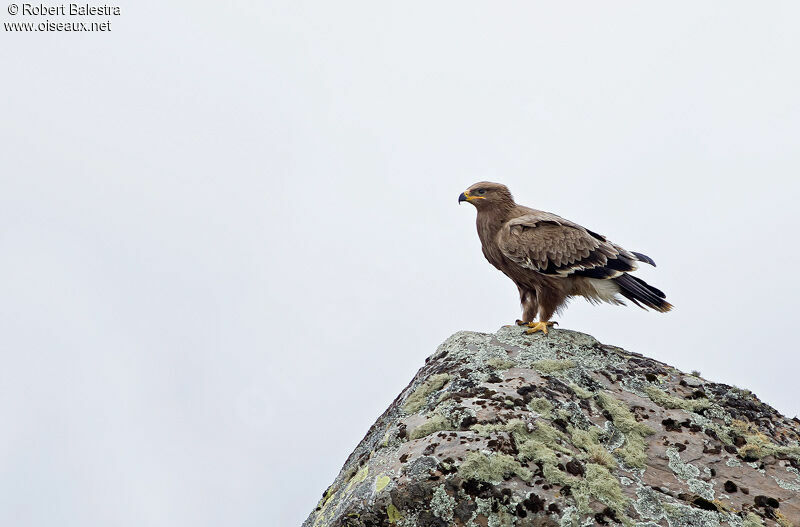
(230, 237)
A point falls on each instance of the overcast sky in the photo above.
(229, 233)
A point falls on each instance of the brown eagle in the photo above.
(551, 259)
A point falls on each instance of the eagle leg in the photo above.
(539, 326)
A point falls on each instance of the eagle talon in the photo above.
(521, 322)
(539, 326)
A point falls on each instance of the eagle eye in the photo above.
(481, 191)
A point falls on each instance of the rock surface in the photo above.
(559, 430)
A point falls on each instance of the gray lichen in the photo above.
(789, 485)
(690, 474)
(442, 504)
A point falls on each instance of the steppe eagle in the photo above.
(551, 259)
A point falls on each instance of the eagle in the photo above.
(551, 259)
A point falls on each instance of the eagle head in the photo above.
(486, 194)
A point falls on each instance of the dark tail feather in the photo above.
(641, 293)
(643, 258)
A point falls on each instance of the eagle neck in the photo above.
(490, 222)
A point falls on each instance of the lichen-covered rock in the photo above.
(560, 430)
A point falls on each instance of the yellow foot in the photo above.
(538, 326)
(521, 323)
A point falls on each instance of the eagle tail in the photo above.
(641, 293)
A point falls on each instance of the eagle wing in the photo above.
(548, 244)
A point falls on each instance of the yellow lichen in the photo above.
(381, 482)
(782, 520)
(393, 513)
(359, 476)
(323, 515)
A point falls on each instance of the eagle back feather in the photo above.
(548, 244)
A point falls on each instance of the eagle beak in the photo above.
(466, 196)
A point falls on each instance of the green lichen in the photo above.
(597, 484)
(541, 406)
(741, 392)
(751, 520)
(600, 484)
(523, 431)
(532, 440)
(418, 399)
(542, 443)
(582, 393)
(538, 442)
(539, 452)
(633, 452)
(500, 364)
(547, 434)
(493, 467)
(556, 476)
(758, 445)
(435, 423)
(589, 442)
(550, 366)
(663, 399)
(486, 429)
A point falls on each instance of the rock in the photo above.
(559, 430)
